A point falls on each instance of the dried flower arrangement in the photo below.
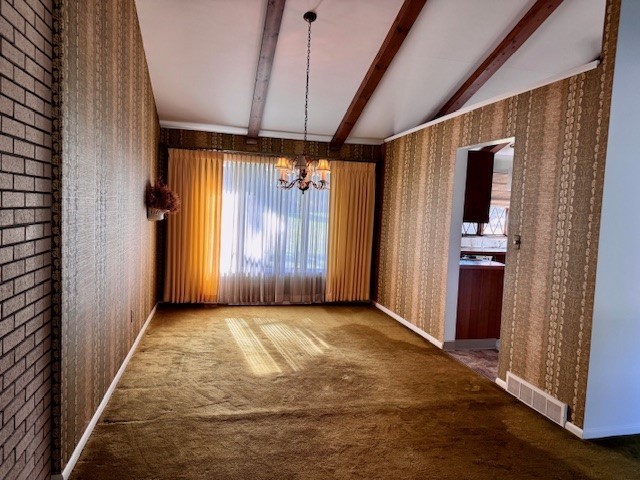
(160, 200)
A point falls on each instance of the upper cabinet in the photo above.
(477, 194)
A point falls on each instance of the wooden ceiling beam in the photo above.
(527, 25)
(270, 34)
(395, 37)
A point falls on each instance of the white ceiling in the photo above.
(202, 57)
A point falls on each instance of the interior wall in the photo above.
(25, 238)
(560, 135)
(613, 392)
(105, 154)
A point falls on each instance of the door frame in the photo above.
(455, 236)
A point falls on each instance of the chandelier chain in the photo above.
(306, 92)
(303, 171)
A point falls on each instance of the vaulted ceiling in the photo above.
(203, 55)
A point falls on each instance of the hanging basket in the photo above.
(155, 214)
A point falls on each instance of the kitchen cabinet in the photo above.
(477, 193)
(479, 299)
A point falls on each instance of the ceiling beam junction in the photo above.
(395, 37)
(526, 27)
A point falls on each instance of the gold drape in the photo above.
(193, 234)
(351, 211)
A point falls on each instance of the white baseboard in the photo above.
(409, 325)
(66, 473)
(577, 431)
(501, 383)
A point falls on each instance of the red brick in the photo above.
(34, 231)
(6, 326)
(12, 270)
(43, 274)
(23, 216)
(42, 184)
(13, 128)
(24, 114)
(25, 410)
(6, 219)
(43, 215)
(33, 200)
(33, 294)
(13, 305)
(12, 90)
(6, 290)
(34, 322)
(34, 354)
(33, 168)
(12, 164)
(6, 144)
(23, 148)
(22, 316)
(25, 11)
(13, 235)
(6, 29)
(24, 183)
(25, 243)
(12, 16)
(31, 101)
(12, 199)
(23, 380)
(11, 340)
(6, 104)
(7, 69)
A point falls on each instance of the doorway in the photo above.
(478, 254)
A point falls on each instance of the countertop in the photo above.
(480, 264)
(482, 249)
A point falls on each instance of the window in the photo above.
(273, 242)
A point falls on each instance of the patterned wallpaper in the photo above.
(105, 153)
(561, 133)
(192, 139)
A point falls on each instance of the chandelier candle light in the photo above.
(303, 171)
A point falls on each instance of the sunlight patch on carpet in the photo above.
(257, 357)
(293, 344)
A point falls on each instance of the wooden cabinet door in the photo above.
(477, 193)
(479, 303)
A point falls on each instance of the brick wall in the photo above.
(25, 243)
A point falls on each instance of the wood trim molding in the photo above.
(526, 27)
(494, 148)
(270, 33)
(395, 37)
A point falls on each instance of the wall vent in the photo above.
(542, 402)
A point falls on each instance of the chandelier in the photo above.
(304, 171)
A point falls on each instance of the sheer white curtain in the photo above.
(274, 242)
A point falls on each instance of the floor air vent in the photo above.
(537, 399)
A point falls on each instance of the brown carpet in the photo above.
(336, 392)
